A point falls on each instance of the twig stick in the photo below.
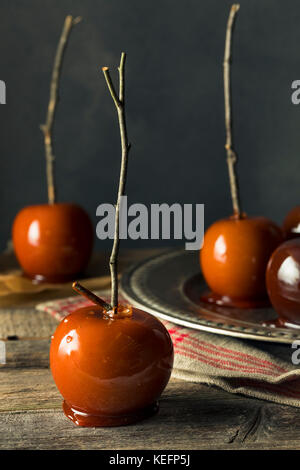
(47, 128)
(89, 295)
(231, 155)
(120, 106)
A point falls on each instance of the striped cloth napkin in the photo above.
(261, 370)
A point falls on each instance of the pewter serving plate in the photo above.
(170, 286)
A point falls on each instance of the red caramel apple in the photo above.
(283, 282)
(291, 224)
(234, 258)
(236, 250)
(111, 362)
(110, 370)
(53, 242)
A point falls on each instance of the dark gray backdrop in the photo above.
(175, 104)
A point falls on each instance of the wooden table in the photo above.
(191, 416)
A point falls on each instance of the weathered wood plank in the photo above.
(26, 323)
(27, 353)
(27, 389)
(191, 416)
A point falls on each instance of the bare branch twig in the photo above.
(125, 146)
(47, 128)
(90, 296)
(231, 155)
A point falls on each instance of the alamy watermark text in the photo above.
(163, 221)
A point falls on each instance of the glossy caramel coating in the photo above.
(283, 282)
(234, 257)
(291, 224)
(52, 242)
(110, 371)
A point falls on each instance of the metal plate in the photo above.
(169, 286)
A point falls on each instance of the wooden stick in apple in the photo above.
(91, 296)
(119, 101)
(231, 155)
(125, 146)
(103, 386)
(53, 242)
(236, 250)
(47, 128)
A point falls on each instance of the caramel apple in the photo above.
(283, 282)
(234, 258)
(110, 370)
(111, 362)
(236, 250)
(291, 223)
(52, 242)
